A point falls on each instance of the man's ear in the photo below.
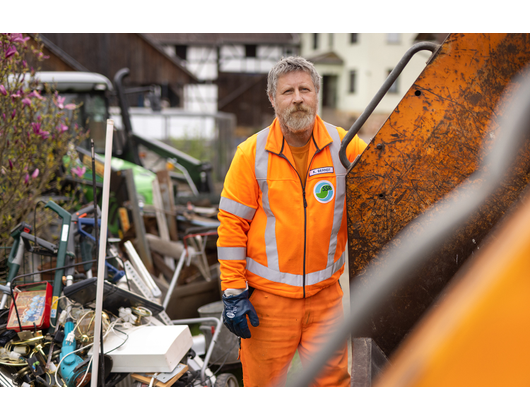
(271, 99)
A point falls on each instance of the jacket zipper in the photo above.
(305, 208)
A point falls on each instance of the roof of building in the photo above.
(61, 54)
(224, 38)
(106, 53)
(326, 58)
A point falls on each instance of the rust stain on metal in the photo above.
(429, 145)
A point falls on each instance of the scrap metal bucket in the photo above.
(434, 139)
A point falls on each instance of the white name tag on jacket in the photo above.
(326, 170)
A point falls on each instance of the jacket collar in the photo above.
(275, 140)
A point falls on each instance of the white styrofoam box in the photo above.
(148, 348)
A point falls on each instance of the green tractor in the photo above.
(92, 92)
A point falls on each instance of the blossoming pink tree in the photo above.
(35, 132)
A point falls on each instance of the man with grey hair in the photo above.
(282, 237)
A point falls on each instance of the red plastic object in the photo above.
(33, 304)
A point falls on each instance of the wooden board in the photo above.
(146, 378)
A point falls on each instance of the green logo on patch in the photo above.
(324, 191)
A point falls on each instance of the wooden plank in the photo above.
(146, 378)
(168, 201)
(161, 221)
(138, 220)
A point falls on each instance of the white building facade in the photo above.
(354, 67)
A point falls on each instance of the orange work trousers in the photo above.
(287, 325)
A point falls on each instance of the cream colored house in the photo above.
(354, 67)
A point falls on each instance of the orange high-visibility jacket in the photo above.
(275, 234)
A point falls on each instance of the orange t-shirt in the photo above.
(300, 156)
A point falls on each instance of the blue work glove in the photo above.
(237, 307)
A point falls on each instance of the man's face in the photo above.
(296, 101)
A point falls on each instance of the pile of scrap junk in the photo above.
(48, 317)
(160, 321)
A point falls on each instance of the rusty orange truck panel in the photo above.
(431, 143)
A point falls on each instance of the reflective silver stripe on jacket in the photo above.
(236, 208)
(272, 272)
(231, 253)
(261, 169)
(295, 279)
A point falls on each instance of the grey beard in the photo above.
(296, 122)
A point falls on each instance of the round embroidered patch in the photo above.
(324, 191)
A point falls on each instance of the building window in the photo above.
(181, 51)
(329, 91)
(315, 41)
(353, 38)
(250, 51)
(330, 40)
(353, 80)
(393, 38)
(394, 87)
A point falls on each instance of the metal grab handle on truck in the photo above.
(420, 46)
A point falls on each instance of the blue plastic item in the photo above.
(70, 362)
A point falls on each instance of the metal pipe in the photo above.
(186, 174)
(420, 46)
(438, 223)
(49, 270)
(61, 258)
(118, 84)
(176, 274)
(102, 253)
